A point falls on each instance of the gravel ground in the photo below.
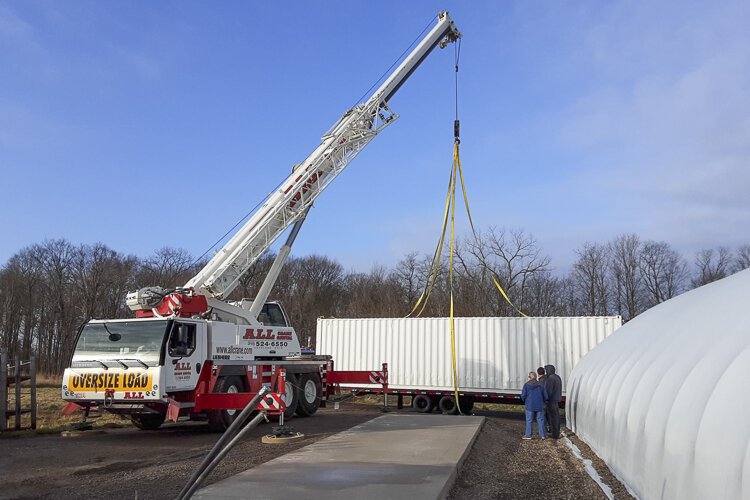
(128, 463)
(618, 489)
(502, 465)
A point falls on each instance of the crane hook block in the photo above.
(456, 129)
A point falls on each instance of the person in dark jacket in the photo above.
(534, 397)
(553, 385)
(541, 377)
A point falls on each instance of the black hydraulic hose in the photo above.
(228, 434)
(253, 423)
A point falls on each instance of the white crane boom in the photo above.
(353, 131)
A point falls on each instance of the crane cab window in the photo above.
(272, 315)
(182, 340)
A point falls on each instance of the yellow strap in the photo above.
(450, 276)
(457, 159)
(450, 209)
(435, 264)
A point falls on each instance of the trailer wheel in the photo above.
(435, 402)
(291, 396)
(447, 405)
(422, 403)
(310, 394)
(147, 421)
(467, 404)
(220, 420)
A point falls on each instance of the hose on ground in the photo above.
(223, 440)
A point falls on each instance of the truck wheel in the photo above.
(447, 405)
(310, 394)
(422, 403)
(147, 421)
(220, 420)
(467, 404)
(291, 397)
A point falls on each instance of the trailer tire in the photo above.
(292, 395)
(310, 392)
(435, 402)
(448, 406)
(220, 420)
(147, 421)
(422, 403)
(467, 404)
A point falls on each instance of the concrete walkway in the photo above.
(399, 456)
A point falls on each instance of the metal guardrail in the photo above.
(13, 375)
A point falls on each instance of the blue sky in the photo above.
(149, 124)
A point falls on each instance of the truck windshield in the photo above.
(140, 340)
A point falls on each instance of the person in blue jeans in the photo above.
(534, 397)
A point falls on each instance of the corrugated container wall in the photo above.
(494, 354)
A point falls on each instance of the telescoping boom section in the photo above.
(190, 353)
(338, 147)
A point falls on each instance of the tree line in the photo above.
(48, 290)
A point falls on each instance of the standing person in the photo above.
(534, 397)
(542, 377)
(553, 385)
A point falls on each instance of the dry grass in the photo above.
(499, 407)
(49, 412)
(47, 380)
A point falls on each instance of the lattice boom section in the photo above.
(310, 183)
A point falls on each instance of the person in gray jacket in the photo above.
(553, 386)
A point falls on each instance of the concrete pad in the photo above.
(399, 456)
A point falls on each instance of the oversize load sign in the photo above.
(113, 381)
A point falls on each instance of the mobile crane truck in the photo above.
(188, 351)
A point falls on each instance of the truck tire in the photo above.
(448, 406)
(147, 421)
(467, 404)
(292, 396)
(310, 391)
(422, 403)
(220, 420)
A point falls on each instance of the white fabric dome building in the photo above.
(665, 400)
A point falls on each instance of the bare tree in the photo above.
(711, 265)
(406, 276)
(374, 294)
(627, 290)
(590, 277)
(167, 267)
(663, 270)
(312, 288)
(513, 258)
(742, 260)
(250, 282)
(545, 296)
(47, 290)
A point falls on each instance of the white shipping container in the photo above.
(494, 355)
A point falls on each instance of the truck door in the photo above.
(186, 352)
